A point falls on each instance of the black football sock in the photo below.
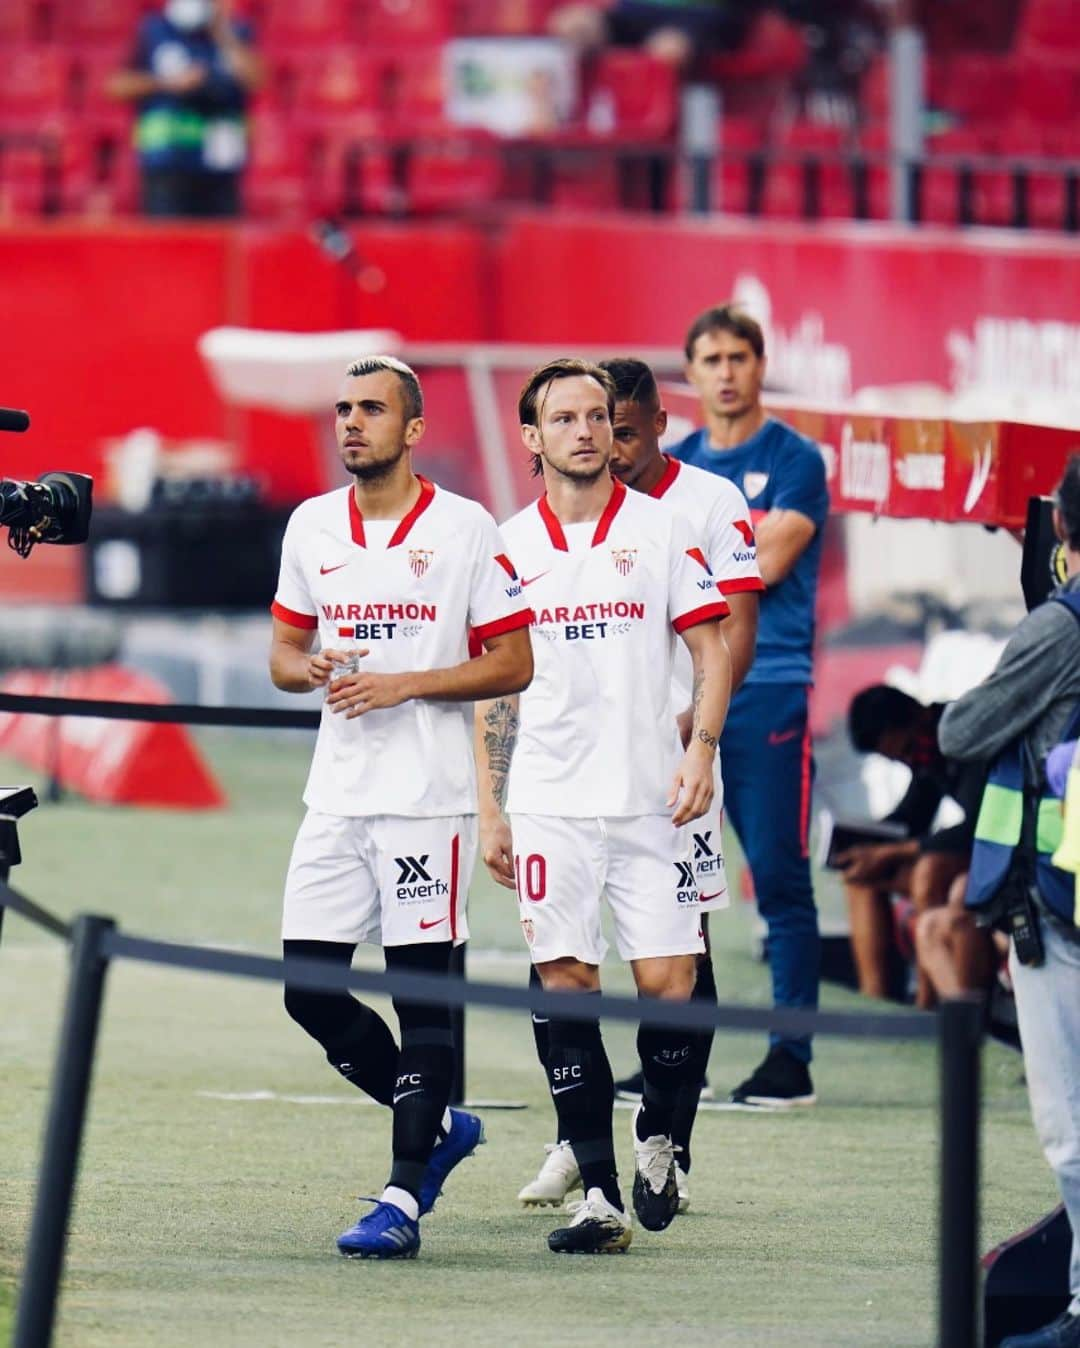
(425, 1068)
(665, 1059)
(583, 1092)
(358, 1042)
(686, 1107)
(540, 1025)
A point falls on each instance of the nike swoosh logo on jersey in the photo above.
(777, 738)
(704, 898)
(427, 926)
(325, 570)
(405, 1094)
(559, 1090)
(533, 578)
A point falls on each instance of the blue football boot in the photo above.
(383, 1233)
(465, 1135)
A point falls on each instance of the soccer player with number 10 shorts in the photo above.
(597, 787)
(391, 573)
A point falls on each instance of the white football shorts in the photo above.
(382, 879)
(641, 864)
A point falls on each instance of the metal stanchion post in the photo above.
(961, 1037)
(63, 1136)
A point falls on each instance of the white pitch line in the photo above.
(245, 1097)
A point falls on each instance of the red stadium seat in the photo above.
(295, 24)
(275, 183)
(828, 147)
(643, 91)
(740, 140)
(773, 48)
(417, 97)
(343, 87)
(397, 21)
(89, 95)
(1049, 26)
(940, 182)
(455, 174)
(874, 91)
(100, 22)
(34, 85)
(22, 182)
(24, 20)
(974, 87)
(496, 18)
(1047, 92)
(874, 145)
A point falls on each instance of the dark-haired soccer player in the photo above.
(595, 781)
(391, 573)
(719, 516)
(768, 763)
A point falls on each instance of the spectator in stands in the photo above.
(923, 865)
(672, 30)
(1028, 705)
(190, 77)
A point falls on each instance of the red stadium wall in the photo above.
(100, 324)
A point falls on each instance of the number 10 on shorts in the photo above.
(534, 868)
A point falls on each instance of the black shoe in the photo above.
(597, 1228)
(1063, 1333)
(782, 1081)
(656, 1190)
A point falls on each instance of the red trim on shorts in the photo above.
(700, 615)
(454, 849)
(740, 584)
(427, 495)
(511, 623)
(671, 472)
(552, 525)
(804, 803)
(603, 524)
(307, 622)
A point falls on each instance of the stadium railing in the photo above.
(96, 941)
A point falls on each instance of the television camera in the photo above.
(54, 509)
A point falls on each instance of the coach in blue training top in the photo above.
(765, 749)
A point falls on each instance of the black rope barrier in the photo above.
(27, 908)
(177, 713)
(446, 990)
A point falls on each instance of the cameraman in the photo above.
(1029, 704)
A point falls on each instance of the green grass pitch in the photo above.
(205, 1220)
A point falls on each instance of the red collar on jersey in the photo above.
(671, 472)
(356, 519)
(603, 524)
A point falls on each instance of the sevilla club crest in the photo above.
(420, 560)
(624, 559)
(528, 929)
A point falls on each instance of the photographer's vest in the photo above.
(1005, 809)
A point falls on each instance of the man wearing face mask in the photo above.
(190, 77)
(886, 721)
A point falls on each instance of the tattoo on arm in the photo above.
(500, 736)
(698, 731)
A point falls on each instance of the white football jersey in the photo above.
(409, 590)
(596, 735)
(720, 517)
